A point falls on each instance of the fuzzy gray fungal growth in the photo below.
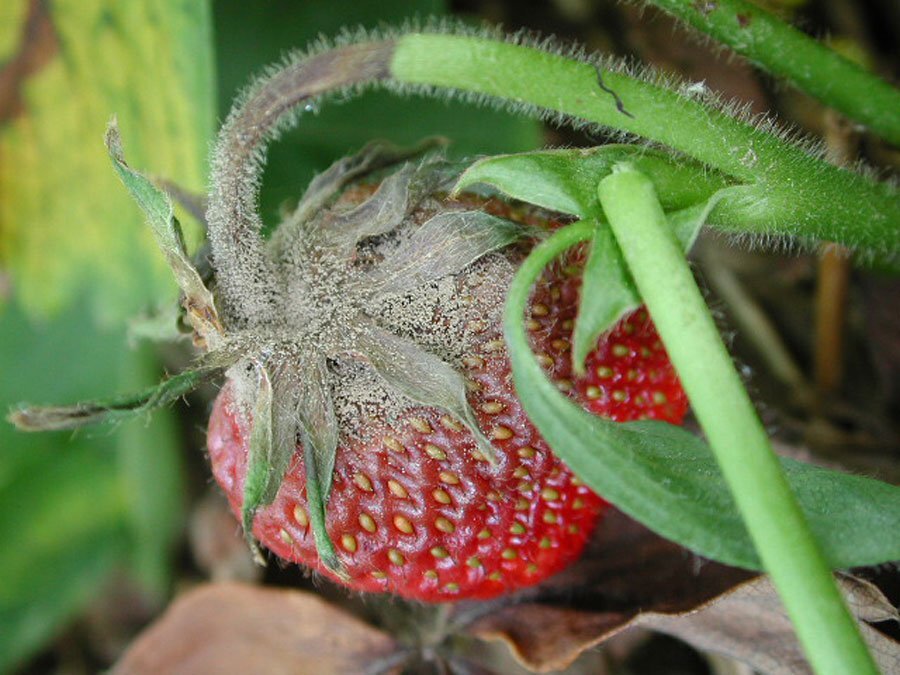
(342, 320)
(245, 274)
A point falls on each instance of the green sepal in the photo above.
(566, 180)
(315, 412)
(607, 289)
(319, 436)
(607, 294)
(198, 301)
(668, 479)
(115, 409)
(272, 445)
(423, 377)
(316, 500)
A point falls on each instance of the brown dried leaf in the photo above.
(633, 578)
(749, 624)
(628, 569)
(234, 628)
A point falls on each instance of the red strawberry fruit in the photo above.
(418, 506)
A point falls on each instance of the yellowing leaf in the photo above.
(66, 223)
(12, 14)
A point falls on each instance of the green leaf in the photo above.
(566, 180)
(668, 479)
(198, 301)
(65, 225)
(77, 506)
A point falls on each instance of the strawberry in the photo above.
(439, 502)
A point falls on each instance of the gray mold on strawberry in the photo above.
(374, 305)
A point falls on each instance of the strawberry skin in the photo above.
(418, 512)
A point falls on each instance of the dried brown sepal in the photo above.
(198, 301)
(326, 186)
(116, 409)
(395, 198)
(444, 245)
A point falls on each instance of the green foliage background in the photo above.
(77, 263)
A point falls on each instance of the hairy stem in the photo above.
(776, 524)
(244, 273)
(790, 190)
(783, 50)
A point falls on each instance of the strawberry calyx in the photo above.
(344, 276)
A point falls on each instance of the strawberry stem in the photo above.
(776, 524)
(783, 50)
(788, 189)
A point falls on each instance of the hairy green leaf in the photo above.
(198, 301)
(668, 479)
(566, 180)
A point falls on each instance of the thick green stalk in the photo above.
(774, 520)
(809, 65)
(788, 190)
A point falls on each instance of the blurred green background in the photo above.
(80, 513)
